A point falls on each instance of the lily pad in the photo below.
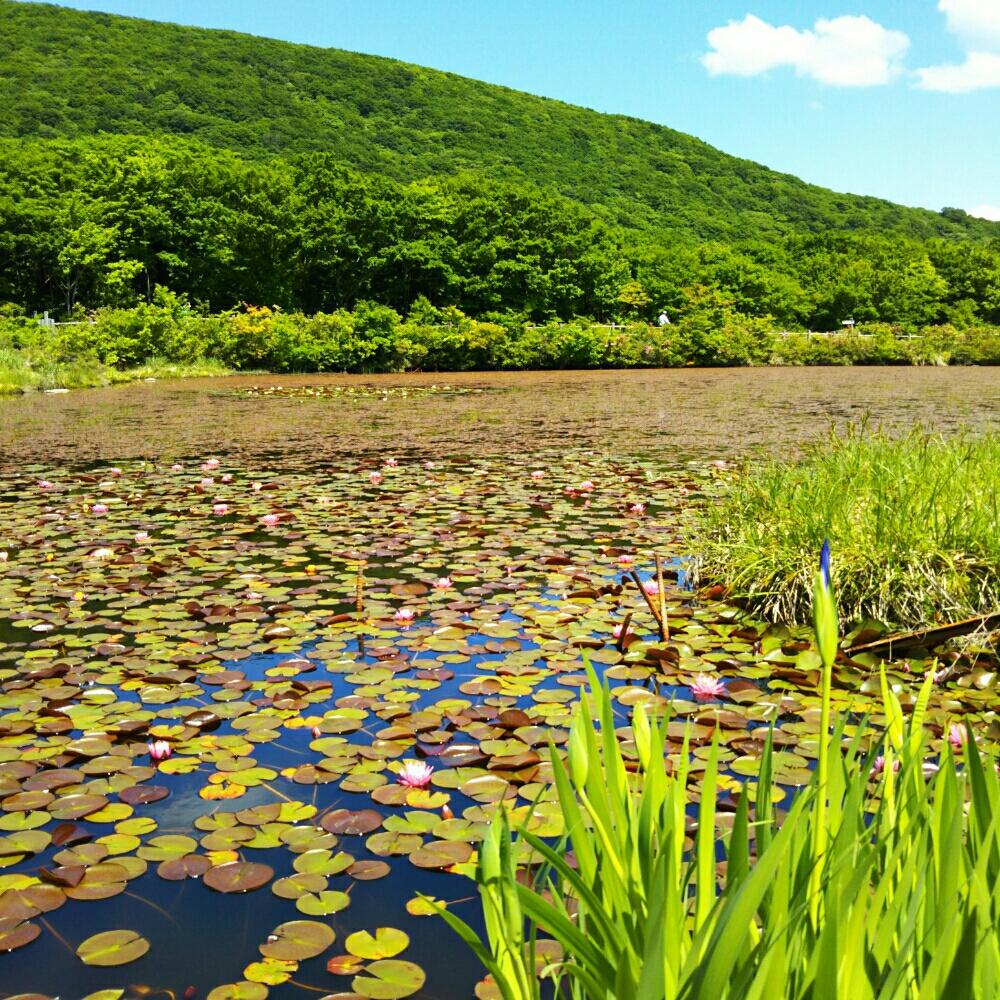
(441, 854)
(16, 933)
(391, 979)
(298, 940)
(111, 948)
(238, 876)
(346, 822)
(385, 943)
(242, 990)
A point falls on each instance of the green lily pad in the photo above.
(242, 990)
(112, 948)
(271, 971)
(322, 863)
(298, 940)
(322, 904)
(391, 979)
(385, 943)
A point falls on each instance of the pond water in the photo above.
(299, 584)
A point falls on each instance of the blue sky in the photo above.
(897, 98)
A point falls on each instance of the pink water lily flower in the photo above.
(207, 481)
(586, 486)
(442, 583)
(430, 465)
(114, 471)
(705, 687)
(637, 508)
(227, 477)
(879, 766)
(374, 478)
(256, 487)
(270, 520)
(625, 559)
(651, 587)
(44, 484)
(4, 555)
(415, 774)
(210, 463)
(142, 536)
(219, 509)
(404, 615)
(99, 508)
(618, 632)
(958, 735)
(538, 474)
(159, 750)
(316, 732)
(391, 463)
(177, 467)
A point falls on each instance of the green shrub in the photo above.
(373, 338)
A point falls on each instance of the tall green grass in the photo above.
(29, 371)
(868, 888)
(915, 522)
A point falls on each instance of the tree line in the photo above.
(106, 222)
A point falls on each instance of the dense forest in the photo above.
(235, 170)
(99, 222)
(67, 73)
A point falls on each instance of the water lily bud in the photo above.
(825, 621)
(825, 611)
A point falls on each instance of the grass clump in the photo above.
(915, 522)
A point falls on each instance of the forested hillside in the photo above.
(255, 172)
(66, 73)
(106, 221)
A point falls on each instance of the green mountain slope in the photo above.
(66, 73)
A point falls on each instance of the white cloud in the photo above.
(976, 22)
(991, 212)
(979, 71)
(977, 25)
(842, 51)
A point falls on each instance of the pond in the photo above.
(297, 585)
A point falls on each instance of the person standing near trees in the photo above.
(663, 319)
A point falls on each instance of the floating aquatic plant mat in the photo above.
(231, 698)
(361, 392)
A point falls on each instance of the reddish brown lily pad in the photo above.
(17, 933)
(238, 876)
(348, 822)
(441, 854)
(143, 794)
(368, 871)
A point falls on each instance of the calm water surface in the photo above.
(661, 414)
